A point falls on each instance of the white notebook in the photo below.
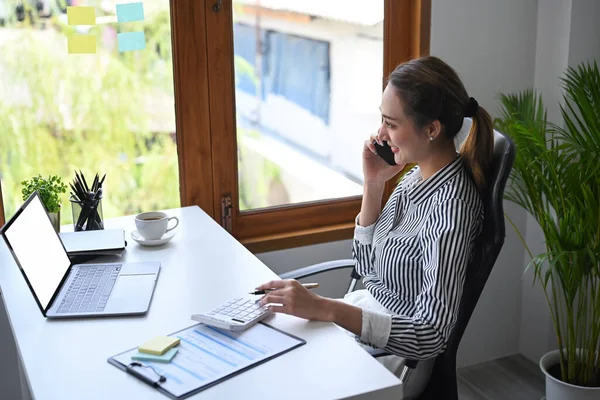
(100, 242)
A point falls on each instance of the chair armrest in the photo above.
(412, 364)
(319, 268)
(376, 352)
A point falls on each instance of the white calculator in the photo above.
(235, 315)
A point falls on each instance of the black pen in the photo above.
(265, 291)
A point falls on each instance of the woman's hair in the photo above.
(431, 90)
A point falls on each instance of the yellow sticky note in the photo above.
(82, 44)
(159, 345)
(81, 15)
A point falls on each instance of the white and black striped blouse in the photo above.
(414, 257)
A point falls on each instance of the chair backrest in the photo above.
(442, 382)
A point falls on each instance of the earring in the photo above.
(430, 138)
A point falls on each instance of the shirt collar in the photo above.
(427, 187)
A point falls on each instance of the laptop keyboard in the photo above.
(90, 289)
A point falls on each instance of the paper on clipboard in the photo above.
(207, 355)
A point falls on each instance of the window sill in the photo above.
(299, 238)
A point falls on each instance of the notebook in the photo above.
(106, 242)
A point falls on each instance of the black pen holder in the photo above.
(87, 215)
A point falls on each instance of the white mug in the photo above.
(153, 225)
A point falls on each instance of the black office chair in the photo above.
(442, 381)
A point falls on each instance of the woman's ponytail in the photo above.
(478, 147)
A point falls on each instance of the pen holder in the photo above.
(87, 216)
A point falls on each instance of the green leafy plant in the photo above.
(556, 178)
(49, 190)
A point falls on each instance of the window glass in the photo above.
(308, 87)
(107, 111)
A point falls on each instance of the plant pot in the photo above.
(559, 390)
(55, 219)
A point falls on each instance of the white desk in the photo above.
(201, 267)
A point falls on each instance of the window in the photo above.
(110, 112)
(254, 110)
(294, 99)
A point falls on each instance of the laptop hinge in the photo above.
(226, 209)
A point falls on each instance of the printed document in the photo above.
(208, 354)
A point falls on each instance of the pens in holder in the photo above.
(265, 291)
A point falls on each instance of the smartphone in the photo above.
(385, 152)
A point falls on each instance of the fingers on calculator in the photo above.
(235, 315)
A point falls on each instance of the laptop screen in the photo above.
(38, 250)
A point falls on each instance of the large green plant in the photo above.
(556, 178)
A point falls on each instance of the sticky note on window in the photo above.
(159, 345)
(82, 44)
(81, 15)
(130, 41)
(130, 12)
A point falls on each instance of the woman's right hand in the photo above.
(375, 169)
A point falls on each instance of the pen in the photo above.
(265, 291)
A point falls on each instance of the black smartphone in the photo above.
(385, 152)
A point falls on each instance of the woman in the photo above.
(412, 253)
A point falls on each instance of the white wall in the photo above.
(584, 39)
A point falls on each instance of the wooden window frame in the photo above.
(406, 35)
(202, 43)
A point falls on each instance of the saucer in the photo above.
(135, 235)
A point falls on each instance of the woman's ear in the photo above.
(433, 130)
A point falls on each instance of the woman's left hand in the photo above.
(295, 300)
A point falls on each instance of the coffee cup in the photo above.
(153, 225)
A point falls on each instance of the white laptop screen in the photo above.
(38, 250)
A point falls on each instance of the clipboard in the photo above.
(224, 353)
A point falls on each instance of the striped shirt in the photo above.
(414, 257)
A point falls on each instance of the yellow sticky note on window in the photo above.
(82, 44)
(81, 15)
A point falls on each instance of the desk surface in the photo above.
(201, 267)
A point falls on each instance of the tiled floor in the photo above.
(509, 378)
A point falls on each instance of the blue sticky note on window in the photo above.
(130, 12)
(130, 41)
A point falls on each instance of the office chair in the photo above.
(442, 381)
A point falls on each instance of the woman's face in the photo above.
(408, 144)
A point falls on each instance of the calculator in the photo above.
(235, 315)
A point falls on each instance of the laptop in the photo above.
(63, 290)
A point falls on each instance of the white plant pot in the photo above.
(559, 390)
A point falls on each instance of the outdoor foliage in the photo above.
(556, 178)
(106, 113)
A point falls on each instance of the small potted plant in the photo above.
(49, 190)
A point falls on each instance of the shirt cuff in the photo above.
(364, 234)
(376, 328)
